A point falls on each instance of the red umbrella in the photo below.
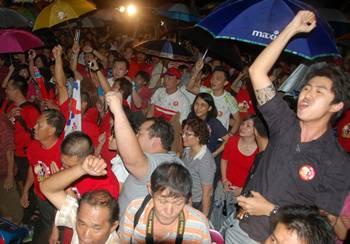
(18, 41)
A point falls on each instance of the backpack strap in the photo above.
(141, 209)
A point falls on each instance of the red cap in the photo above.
(173, 72)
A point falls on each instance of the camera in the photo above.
(90, 64)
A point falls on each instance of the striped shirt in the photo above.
(196, 226)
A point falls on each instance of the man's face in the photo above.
(144, 138)
(93, 226)
(281, 235)
(170, 82)
(42, 130)
(314, 102)
(119, 70)
(128, 53)
(140, 57)
(166, 208)
(69, 161)
(218, 81)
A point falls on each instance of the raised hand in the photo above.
(31, 54)
(114, 101)
(304, 21)
(76, 47)
(94, 166)
(57, 51)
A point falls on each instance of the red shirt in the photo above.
(105, 126)
(30, 115)
(245, 103)
(343, 129)
(40, 160)
(238, 165)
(89, 183)
(145, 94)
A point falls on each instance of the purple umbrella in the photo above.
(18, 41)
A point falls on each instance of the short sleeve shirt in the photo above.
(196, 225)
(166, 105)
(67, 216)
(291, 172)
(225, 104)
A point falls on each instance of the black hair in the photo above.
(77, 144)
(125, 87)
(206, 70)
(260, 125)
(172, 177)
(340, 85)
(102, 199)
(122, 60)
(222, 69)
(307, 222)
(55, 119)
(213, 113)
(44, 60)
(162, 129)
(19, 83)
(144, 76)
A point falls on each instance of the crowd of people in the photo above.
(169, 151)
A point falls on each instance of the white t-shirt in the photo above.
(226, 104)
(170, 104)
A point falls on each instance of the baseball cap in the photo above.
(173, 72)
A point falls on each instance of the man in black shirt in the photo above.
(303, 163)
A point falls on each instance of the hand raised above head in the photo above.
(57, 51)
(304, 21)
(94, 166)
(114, 100)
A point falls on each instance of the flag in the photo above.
(74, 119)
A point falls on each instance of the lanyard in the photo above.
(180, 228)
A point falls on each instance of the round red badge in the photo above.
(176, 103)
(307, 172)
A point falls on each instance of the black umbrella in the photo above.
(165, 49)
(223, 49)
(11, 19)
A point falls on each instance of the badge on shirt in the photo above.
(346, 131)
(307, 172)
(175, 103)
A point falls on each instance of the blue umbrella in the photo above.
(178, 11)
(260, 21)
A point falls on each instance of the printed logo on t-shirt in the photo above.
(243, 106)
(41, 170)
(176, 103)
(346, 131)
(307, 172)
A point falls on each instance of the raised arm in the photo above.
(133, 157)
(60, 77)
(74, 61)
(264, 90)
(104, 59)
(193, 86)
(8, 76)
(54, 186)
(100, 76)
(31, 57)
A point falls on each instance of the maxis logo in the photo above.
(266, 35)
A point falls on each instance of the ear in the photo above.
(336, 107)
(149, 188)
(52, 130)
(226, 83)
(210, 108)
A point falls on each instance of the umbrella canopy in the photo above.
(178, 11)
(18, 41)
(260, 21)
(339, 21)
(61, 11)
(220, 48)
(9, 18)
(165, 49)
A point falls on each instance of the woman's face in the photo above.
(24, 73)
(201, 108)
(246, 128)
(39, 63)
(189, 138)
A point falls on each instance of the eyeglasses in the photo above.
(187, 134)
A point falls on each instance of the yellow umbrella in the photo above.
(60, 11)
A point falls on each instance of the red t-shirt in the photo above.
(145, 94)
(238, 165)
(89, 183)
(105, 126)
(343, 129)
(30, 115)
(245, 103)
(40, 160)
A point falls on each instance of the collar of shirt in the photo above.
(201, 153)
